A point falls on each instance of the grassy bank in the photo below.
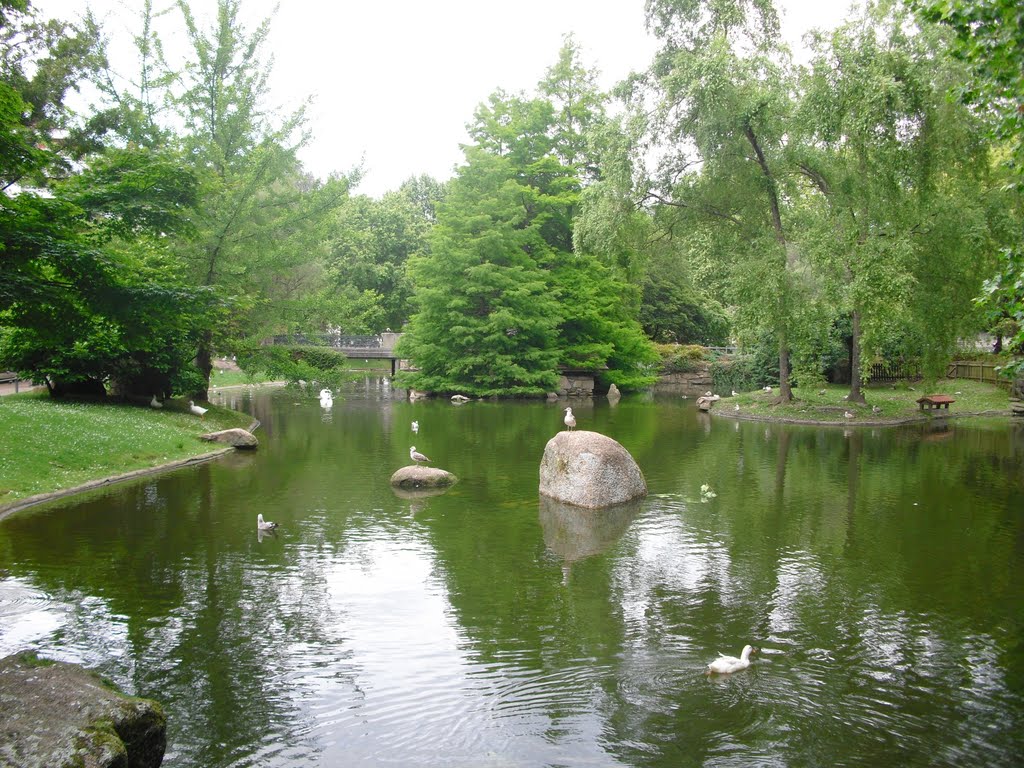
(895, 403)
(52, 445)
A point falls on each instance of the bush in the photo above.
(294, 364)
(680, 358)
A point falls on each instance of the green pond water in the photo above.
(880, 572)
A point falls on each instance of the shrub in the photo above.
(680, 358)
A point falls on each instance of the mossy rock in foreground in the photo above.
(57, 715)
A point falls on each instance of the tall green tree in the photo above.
(512, 300)
(905, 176)
(86, 296)
(485, 320)
(723, 87)
(257, 205)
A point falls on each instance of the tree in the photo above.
(258, 207)
(989, 37)
(485, 320)
(502, 299)
(904, 177)
(724, 92)
(84, 295)
(371, 243)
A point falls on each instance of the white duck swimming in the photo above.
(264, 525)
(197, 410)
(415, 427)
(725, 665)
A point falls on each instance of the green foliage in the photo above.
(486, 320)
(501, 298)
(989, 37)
(756, 368)
(295, 364)
(370, 245)
(680, 358)
(1006, 291)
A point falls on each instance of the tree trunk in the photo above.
(204, 362)
(856, 393)
(785, 391)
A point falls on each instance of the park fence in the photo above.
(987, 372)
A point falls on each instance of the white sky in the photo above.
(394, 82)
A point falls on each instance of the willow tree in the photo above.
(722, 89)
(905, 176)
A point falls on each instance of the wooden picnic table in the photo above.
(935, 401)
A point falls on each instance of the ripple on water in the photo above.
(27, 615)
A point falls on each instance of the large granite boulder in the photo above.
(416, 476)
(238, 438)
(590, 470)
(54, 714)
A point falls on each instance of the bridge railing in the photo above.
(336, 340)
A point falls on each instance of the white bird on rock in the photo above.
(264, 525)
(416, 456)
(154, 403)
(415, 427)
(726, 665)
(197, 410)
(570, 420)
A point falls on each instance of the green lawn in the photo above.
(51, 445)
(896, 403)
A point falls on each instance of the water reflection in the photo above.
(880, 572)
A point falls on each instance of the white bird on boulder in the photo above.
(264, 525)
(416, 456)
(570, 420)
(726, 665)
(197, 410)
(154, 403)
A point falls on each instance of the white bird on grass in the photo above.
(570, 420)
(726, 665)
(768, 390)
(734, 393)
(875, 409)
(416, 456)
(197, 410)
(264, 525)
(154, 403)
(847, 414)
(415, 427)
(736, 407)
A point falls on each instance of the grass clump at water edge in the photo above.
(52, 445)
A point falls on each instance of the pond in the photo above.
(880, 572)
